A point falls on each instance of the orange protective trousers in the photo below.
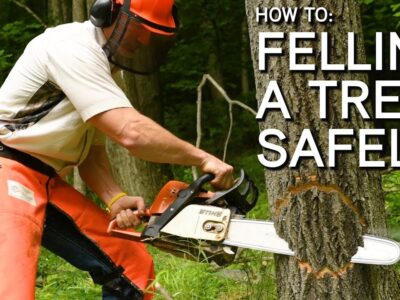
(24, 196)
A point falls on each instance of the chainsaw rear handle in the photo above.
(130, 233)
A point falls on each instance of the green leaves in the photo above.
(367, 2)
(13, 38)
(4, 60)
(396, 11)
(391, 187)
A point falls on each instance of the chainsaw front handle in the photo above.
(242, 196)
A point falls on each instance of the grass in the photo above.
(56, 279)
(251, 276)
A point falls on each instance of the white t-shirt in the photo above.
(62, 79)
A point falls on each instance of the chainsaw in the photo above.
(193, 223)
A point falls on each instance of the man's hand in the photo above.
(127, 211)
(222, 172)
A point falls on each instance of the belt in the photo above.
(26, 159)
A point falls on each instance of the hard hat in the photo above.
(143, 31)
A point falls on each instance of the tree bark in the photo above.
(89, 4)
(322, 213)
(136, 176)
(79, 10)
(59, 11)
(244, 54)
(214, 69)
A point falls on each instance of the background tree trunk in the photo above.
(245, 60)
(79, 14)
(59, 11)
(322, 213)
(79, 10)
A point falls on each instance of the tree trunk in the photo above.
(136, 176)
(244, 54)
(322, 213)
(79, 10)
(79, 14)
(60, 11)
(89, 4)
(214, 69)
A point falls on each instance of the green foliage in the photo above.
(13, 39)
(377, 17)
(5, 63)
(391, 187)
(209, 41)
(250, 277)
(249, 162)
(367, 2)
(186, 279)
(396, 11)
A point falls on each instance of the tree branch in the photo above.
(199, 106)
(30, 11)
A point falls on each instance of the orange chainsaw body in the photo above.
(168, 194)
(171, 200)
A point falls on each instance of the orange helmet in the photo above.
(158, 16)
(142, 29)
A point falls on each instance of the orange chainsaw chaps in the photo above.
(22, 211)
(93, 222)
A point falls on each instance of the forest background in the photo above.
(213, 40)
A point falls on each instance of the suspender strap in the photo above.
(26, 159)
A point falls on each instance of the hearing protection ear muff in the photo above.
(103, 13)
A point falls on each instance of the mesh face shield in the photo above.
(135, 48)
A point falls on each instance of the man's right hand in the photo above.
(223, 172)
(127, 211)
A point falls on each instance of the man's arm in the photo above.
(147, 140)
(95, 171)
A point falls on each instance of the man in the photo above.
(56, 104)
